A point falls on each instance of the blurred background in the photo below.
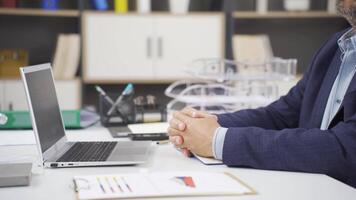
(148, 42)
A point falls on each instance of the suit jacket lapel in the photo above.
(322, 99)
(340, 113)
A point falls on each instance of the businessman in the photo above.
(311, 129)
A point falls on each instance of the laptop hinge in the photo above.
(56, 150)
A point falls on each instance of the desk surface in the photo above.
(57, 183)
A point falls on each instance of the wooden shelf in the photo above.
(238, 15)
(153, 13)
(39, 12)
(283, 14)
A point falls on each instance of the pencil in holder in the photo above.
(124, 113)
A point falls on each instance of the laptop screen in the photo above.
(45, 107)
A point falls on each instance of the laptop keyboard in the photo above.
(88, 152)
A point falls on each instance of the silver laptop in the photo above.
(48, 126)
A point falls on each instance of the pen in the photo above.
(127, 185)
(108, 182)
(103, 93)
(101, 185)
(75, 186)
(162, 142)
(128, 89)
(118, 185)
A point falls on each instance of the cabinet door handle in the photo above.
(149, 47)
(11, 106)
(160, 47)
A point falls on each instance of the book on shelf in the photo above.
(332, 6)
(261, 6)
(66, 57)
(252, 48)
(143, 6)
(296, 5)
(121, 6)
(28, 4)
(58, 60)
(11, 60)
(8, 3)
(100, 4)
(50, 4)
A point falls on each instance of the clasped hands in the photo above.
(193, 131)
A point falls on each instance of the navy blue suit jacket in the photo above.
(286, 135)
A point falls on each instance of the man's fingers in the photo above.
(176, 140)
(191, 112)
(176, 124)
(174, 132)
(186, 152)
(181, 117)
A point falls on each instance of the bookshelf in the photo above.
(238, 15)
(34, 29)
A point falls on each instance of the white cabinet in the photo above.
(182, 39)
(114, 47)
(148, 48)
(13, 95)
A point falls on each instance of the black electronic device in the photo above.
(149, 136)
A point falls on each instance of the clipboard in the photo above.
(160, 184)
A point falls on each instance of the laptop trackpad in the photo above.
(130, 151)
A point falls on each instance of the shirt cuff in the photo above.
(218, 142)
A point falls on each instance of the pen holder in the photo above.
(145, 114)
(124, 113)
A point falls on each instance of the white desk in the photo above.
(274, 185)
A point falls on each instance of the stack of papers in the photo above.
(159, 127)
(209, 161)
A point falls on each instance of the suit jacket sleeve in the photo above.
(330, 152)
